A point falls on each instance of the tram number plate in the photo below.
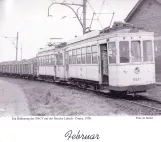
(137, 79)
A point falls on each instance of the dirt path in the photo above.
(13, 101)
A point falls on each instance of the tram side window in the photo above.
(66, 57)
(147, 51)
(57, 59)
(49, 59)
(70, 57)
(94, 54)
(44, 60)
(61, 59)
(40, 61)
(79, 56)
(83, 57)
(135, 51)
(52, 59)
(124, 51)
(112, 52)
(74, 56)
(88, 55)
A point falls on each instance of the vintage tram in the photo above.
(118, 59)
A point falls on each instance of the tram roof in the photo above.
(117, 28)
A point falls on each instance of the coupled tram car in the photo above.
(118, 59)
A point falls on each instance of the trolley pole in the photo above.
(17, 45)
(84, 6)
(84, 16)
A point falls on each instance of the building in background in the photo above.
(146, 14)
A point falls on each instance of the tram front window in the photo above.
(147, 51)
(135, 51)
(124, 51)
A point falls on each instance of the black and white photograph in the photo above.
(80, 59)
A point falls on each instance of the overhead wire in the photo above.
(109, 6)
(91, 6)
(93, 16)
(101, 9)
(113, 14)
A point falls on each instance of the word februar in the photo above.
(70, 135)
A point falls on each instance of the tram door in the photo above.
(104, 63)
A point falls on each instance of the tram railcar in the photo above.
(119, 59)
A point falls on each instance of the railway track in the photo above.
(158, 110)
(142, 101)
(131, 99)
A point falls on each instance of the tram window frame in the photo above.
(124, 58)
(94, 54)
(152, 54)
(88, 55)
(74, 56)
(83, 55)
(112, 59)
(134, 58)
(79, 52)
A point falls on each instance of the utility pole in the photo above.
(13, 42)
(21, 51)
(17, 46)
(84, 16)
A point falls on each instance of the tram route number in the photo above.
(137, 79)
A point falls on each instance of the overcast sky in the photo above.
(29, 18)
